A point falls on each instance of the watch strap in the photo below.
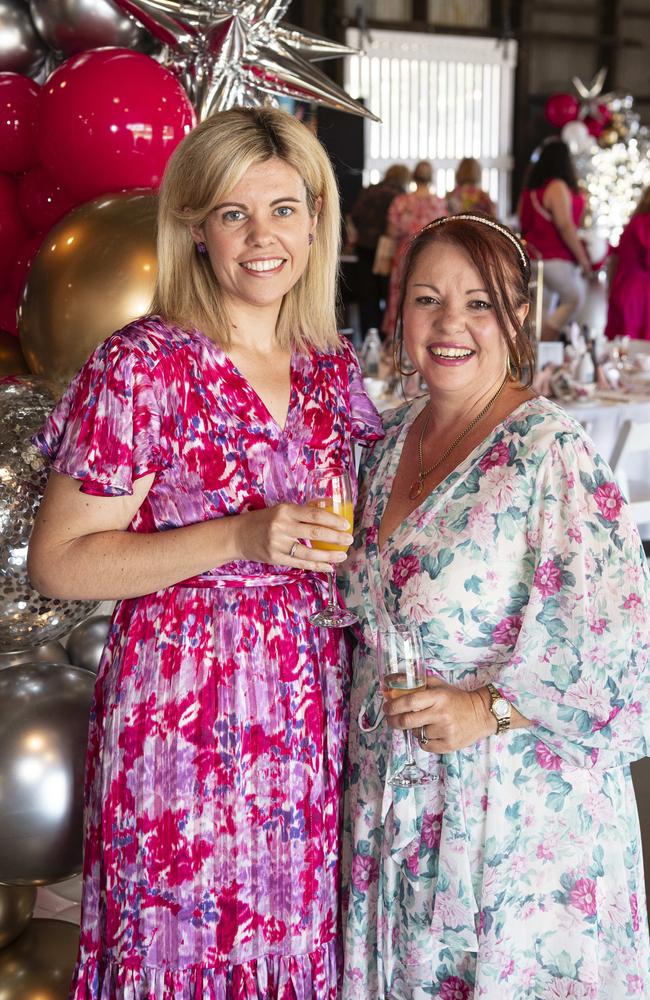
(503, 722)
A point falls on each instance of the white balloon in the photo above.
(577, 137)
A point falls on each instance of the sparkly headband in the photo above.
(466, 217)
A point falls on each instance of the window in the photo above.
(440, 98)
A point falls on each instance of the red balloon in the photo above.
(22, 264)
(42, 200)
(109, 120)
(18, 111)
(560, 109)
(8, 308)
(597, 125)
(13, 231)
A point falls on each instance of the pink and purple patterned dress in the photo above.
(217, 735)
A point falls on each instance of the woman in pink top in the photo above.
(407, 215)
(550, 211)
(629, 298)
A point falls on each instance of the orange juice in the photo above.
(344, 508)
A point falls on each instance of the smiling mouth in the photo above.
(450, 352)
(263, 266)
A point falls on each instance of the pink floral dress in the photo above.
(516, 873)
(217, 734)
(407, 214)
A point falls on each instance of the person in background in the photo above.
(368, 219)
(468, 195)
(406, 216)
(550, 211)
(489, 523)
(180, 461)
(628, 313)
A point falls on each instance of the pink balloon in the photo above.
(109, 120)
(18, 110)
(13, 231)
(560, 109)
(42, 200)
(22, 264)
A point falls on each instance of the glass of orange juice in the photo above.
(400, 663)
(330, 489)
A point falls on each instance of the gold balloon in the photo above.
(39, 964)
(608, 137)
(12, 361)
(16, 908)
(94, 273)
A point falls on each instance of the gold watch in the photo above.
(500, 707)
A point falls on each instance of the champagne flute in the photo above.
(400, 662)
(330, 489)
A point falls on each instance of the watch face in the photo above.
(501, 708)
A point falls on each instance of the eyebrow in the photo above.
(239, 204)
(470, 291)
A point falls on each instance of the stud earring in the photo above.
(310, 239)
(202, 249)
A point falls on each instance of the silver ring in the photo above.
(293, 548)
(423, 739)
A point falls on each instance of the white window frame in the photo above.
(440, 98)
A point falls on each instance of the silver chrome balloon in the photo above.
(43, 736)
(40, 963)
(87, 640)
(21, 49)
(16, 908)
(71, 26)
(229, 52)
(48, 652)
(26, 618)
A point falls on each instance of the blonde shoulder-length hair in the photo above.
(202, 171)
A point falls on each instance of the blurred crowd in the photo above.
(550, 212)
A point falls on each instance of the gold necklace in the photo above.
(418, 484)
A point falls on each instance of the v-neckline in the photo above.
(396, 454)
(226, 360)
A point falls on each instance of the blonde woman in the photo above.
(180, 457)
(468, 195)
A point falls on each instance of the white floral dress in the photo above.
(517, 872)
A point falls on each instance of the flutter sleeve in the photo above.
(106, 429)
(581, 665)
(366, 423)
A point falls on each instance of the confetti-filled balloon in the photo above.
(109, 119)
(26, 617)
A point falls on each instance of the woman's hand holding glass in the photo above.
(277, 536)
(449, 718)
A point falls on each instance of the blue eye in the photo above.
(284, 211)
(232, 215)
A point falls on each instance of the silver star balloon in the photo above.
(592, 95)
(236, 53)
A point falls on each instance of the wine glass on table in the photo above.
(331, 489)
(400, 662)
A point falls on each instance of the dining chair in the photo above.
(633, 439)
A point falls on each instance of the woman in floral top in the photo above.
(181, 454)
(489, 522)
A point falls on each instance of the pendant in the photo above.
(416, 489)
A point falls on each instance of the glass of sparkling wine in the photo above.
(330, 489)
(400, 662)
